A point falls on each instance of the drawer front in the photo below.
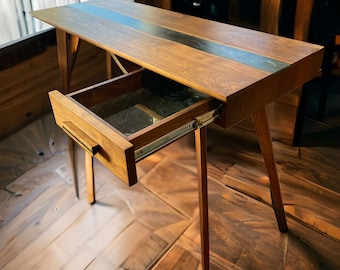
(95, 136)
(91, 117)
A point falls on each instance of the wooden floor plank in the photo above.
(304, 194)
(32, 254)
(174, 187)
(154, 224)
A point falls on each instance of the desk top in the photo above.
(244, 68)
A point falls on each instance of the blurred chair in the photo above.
(274, 17)
(324, 29)
(270, 12)
(330, 69)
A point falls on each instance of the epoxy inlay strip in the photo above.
(218, 49)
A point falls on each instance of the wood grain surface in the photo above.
(245, 68)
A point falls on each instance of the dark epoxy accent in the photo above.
(221, 50)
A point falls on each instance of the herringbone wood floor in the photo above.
(154, 224)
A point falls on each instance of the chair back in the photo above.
(270, 16)
(303, 15)
(270, 13)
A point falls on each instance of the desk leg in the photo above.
(201, 158)
(63, 59)
(73, 161)
(90, 188)
(108, 65)
(264, 138)
(67, 46)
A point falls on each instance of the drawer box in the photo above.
(122, 120)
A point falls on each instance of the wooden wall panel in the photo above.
(24, 86)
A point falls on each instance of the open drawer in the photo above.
(122, 120)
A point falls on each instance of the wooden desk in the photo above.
(243, 69)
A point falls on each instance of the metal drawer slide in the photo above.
(174, 135)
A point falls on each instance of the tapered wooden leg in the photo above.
(68, 47)
(73, 161)
(108, 65)
(201, 157)
(264, 138)
(90, 188)
(63, 59)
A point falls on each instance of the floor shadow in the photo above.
(324, 132)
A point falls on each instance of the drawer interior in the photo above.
(122, 120)
(150, 100)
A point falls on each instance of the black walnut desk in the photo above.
(239, 70)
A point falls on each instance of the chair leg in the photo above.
(300, 116)
(323, 97)
(262, 129)
(326, 75)
(201, 158)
